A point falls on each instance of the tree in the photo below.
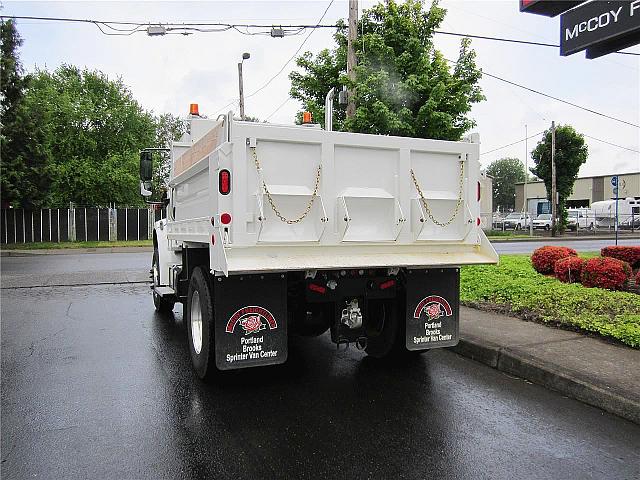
(93, 130)
(403, 85)
(169, 128)
(506, 172)
(571, 153)
(24, 175)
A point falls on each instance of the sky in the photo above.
(167, 73)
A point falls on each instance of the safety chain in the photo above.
(273, 206)
(424, 201)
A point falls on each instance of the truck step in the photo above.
(164, 291)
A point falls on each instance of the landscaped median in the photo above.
(513, 287)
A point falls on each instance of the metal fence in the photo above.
(604, 222)
(77, 224)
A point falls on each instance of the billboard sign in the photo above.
(600, 27)
(548, 8)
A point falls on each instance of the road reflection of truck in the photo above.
(274, 230)
(628, 213)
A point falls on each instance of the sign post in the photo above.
(614, 184)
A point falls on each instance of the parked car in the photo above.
(542, 222)
(497, 221)
(517, 221)
(580, 218)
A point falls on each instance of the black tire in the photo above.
(389, 343)
(162, 304)
(201, 291)
(312, 320)
(383, 328)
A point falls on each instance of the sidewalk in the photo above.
(588, 369)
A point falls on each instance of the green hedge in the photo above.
(517, 289)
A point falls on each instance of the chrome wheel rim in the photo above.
(196, 323)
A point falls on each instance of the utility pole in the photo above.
(240, 84)
(554, 206)
(351, 54)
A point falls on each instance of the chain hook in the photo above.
(426, 206)
(270, 199)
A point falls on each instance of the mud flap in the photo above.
(250, 320)
(433, 308)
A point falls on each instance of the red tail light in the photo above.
(478, 221)
(225, 218)
(213, 239)
(387, 284)
(224, 182)
(317, 288)
(478, 191)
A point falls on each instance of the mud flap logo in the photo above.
(434, 306)
(252, 319)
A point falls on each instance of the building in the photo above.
(586, 190)
(486, 193)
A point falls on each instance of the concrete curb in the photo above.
(551, 376)
(73, 251)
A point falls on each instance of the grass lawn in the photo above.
(515, 288)
(55, 245)
(505, 235)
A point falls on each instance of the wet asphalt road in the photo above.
(95, 384)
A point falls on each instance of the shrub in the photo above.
(638, 278)
(605, 272)
(631, 255)
(568, 269)
(544, 258)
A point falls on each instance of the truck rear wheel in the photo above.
(383, 328)
(162, 304)
(200, 324)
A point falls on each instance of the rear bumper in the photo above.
(317, 257)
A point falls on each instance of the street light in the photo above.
(245, 56)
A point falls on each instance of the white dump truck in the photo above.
(278, 230)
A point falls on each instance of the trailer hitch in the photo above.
(361, 343)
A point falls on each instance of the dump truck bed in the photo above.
(302, 198)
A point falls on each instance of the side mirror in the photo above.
(146, 166)
(146, 173)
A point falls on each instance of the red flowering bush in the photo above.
(544, 258)
(631, 255)
(638, 278)
(605, 272)
(568, 269)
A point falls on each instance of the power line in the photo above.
(512, 40)
(595, 112)
(182, 28)
(185, 28)
(278, 109)
(514, 143)
(292, 56)
(612, 144)
(535, 135)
